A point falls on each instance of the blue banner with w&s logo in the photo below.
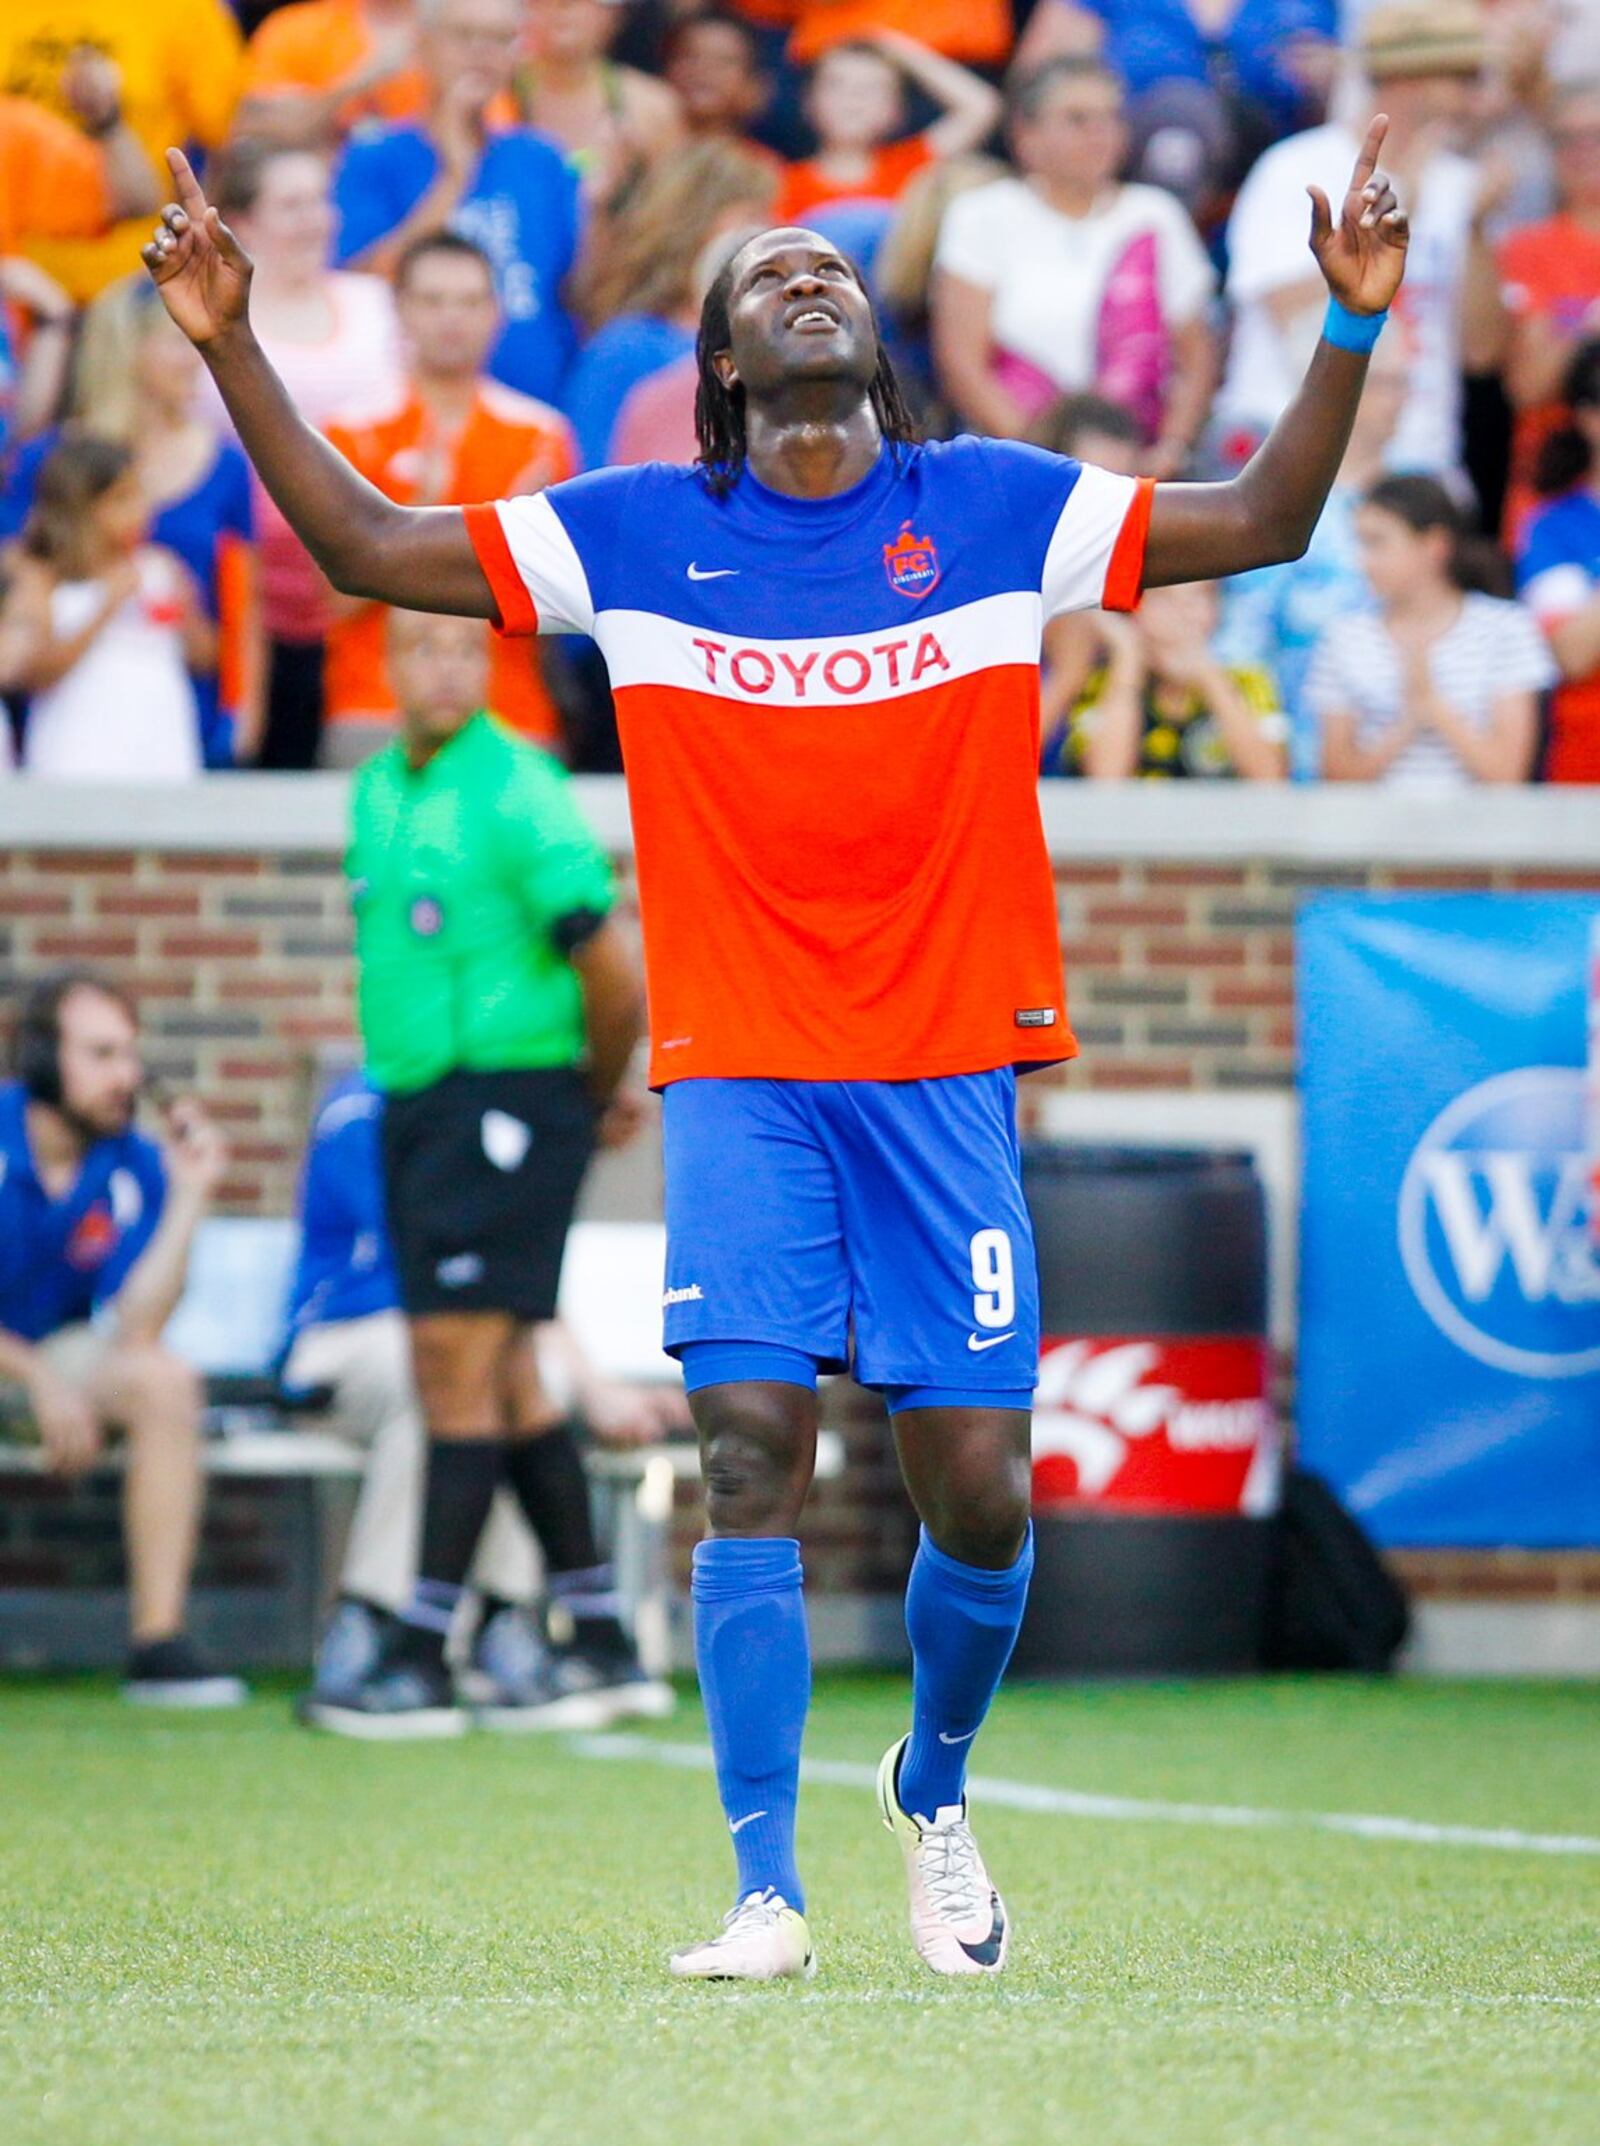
(1449, 1355)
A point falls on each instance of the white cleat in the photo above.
(763, 1939)
(959, 1922)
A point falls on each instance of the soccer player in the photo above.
(823, 642)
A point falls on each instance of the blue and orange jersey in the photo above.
(829, 712)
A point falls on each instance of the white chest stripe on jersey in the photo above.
(642, 648)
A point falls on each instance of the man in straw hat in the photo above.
(1423, 59)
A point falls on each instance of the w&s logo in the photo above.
(1494, 1225)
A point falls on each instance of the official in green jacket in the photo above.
(499, 1009)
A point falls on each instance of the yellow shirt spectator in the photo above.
(1181, 735)
(179, 63)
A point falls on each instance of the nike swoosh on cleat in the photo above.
(971, 1733)
(987, 1950)
(993, 1341)
(736, 1825)
(710, 573)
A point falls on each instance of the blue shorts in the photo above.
(877, 1226)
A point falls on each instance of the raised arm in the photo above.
(420, 558)
(1202, 532)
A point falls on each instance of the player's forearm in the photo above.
(418, 558)
(1265, 515)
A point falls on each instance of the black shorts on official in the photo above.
(480, 1175)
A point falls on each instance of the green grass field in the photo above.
(229, 1930)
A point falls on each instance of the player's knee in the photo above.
(983, 1517)
(753, 1460)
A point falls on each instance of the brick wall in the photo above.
(1181, 975)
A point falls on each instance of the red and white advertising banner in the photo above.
(1136, 1423)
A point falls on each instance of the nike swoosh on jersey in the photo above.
(710, 573)
(993, 1341)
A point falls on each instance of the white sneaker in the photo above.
(763, 1939)
(958, 1921)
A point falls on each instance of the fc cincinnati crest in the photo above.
(911, 563)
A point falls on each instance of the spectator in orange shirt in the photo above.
(60, 180)
(454, 437)
(316, 68)
(1551, 273)
(856, 104)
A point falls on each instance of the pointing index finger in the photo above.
(1367, 158)
(187, 186)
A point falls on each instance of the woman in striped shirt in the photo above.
(1440, 685)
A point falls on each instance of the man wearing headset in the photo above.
(96, 1223)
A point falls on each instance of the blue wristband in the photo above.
(1352, 331)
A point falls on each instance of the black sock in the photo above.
(547, 1474)
(462, 1475)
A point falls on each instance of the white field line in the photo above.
(1072, 1803)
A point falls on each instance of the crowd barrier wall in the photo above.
(221, 905)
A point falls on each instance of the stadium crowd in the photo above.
(482, 229)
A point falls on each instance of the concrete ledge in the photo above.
(1306, 825)
(1504, 1639)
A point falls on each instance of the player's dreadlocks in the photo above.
(719, 410)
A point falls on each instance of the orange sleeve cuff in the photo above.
(518, 612)
(1125, 574)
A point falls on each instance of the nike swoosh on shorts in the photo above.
(993, 1342)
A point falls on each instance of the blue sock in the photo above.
(963, 1622)
(754, 1657)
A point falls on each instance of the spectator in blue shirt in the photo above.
(464, 169)
(346, 1332)
(96, 1224)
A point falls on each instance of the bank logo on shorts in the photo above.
(1493, 1225)
(427, 916)
(506, 1139)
